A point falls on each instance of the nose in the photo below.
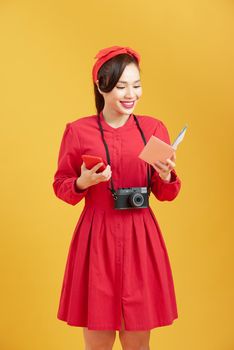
(130, 92)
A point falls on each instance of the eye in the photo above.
(122, 87)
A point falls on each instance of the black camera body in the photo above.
(132, 198)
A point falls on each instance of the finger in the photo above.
(108, 178)
(161, 165)
(161, 172)
(107, 170)
(156, 167)
(83, 166)
(96, 167)
(104, 178)
(171, 162)
(173, 157)
(164, 170)
(101, 176)
(108, 175)
(105, 175)
(168, 167)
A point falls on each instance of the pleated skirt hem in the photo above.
(137, 327)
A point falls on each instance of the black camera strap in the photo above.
(112, 189)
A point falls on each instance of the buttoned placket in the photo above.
(119, 235)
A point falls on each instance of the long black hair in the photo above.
(108, 76)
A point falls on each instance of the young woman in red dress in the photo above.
(118, 274)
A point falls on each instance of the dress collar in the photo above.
(130, 121)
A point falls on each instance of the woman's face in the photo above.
(122, 99)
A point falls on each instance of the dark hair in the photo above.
(108, 76)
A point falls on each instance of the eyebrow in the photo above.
(121, 81)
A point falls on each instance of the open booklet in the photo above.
(156, 149)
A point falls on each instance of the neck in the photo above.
(114, 118)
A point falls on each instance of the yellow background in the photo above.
(47, 52)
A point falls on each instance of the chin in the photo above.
(127, 112)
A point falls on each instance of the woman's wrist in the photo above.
(166, 178)
(80, 185)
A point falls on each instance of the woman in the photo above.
(118, 274)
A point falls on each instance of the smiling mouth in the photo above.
(128, 104)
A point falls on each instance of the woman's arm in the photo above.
(69, 168)
(164, 190)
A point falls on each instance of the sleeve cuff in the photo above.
(76, 190)
(173, 180)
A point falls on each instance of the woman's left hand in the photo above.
(164, 168)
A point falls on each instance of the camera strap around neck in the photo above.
(112, 189)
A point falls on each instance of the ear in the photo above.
(97, 83)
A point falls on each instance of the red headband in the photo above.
(109, 52)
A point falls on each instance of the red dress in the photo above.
(117, 264)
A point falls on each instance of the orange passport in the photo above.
(156, 149)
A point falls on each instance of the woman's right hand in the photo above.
(89, 177)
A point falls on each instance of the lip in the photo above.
(125, 104)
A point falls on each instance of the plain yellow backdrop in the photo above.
(47, 52)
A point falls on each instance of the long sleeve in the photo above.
(164, 191)
(68, 168)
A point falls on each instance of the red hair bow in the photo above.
(109, 52)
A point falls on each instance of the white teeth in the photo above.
(128, 104)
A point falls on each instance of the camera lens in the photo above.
(136, 199)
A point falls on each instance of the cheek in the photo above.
(111, 98)
(117, 94)
(139, 93)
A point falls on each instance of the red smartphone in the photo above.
(91, 161)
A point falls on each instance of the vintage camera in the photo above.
(132, 198)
